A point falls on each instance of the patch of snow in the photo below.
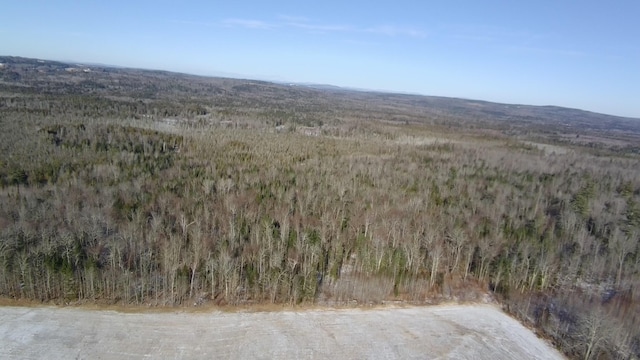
(548, 149)
(451, 331)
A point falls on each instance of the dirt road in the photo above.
(438, 332)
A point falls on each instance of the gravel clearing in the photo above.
(436, 332)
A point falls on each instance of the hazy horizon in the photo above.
(543, 53)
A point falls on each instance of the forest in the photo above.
(145, 188)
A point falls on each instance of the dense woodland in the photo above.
(133, 187)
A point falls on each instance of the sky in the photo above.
(581, 54)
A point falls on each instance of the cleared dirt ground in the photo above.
(438, 332)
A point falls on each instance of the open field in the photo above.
(439, 332)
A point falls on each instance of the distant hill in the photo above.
(52, 77)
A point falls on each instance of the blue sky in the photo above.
(583, 54)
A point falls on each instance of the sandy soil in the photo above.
(438, 332)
